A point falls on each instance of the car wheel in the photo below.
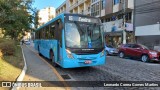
(121, 55)
(145, 58)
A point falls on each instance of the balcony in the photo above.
(86, 12)
(80, 2)
(76, 4)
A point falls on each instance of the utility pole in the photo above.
(124, 21)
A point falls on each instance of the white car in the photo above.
(27, 42)
(110, 50)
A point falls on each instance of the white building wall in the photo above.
(131, 4)
(109, 25)
(45, 14)
(148, 30)
(102, 12)
(148, 35)
(115, 8)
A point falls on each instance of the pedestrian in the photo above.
(22, 41)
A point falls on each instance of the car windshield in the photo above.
(83, 35)
(144, 47)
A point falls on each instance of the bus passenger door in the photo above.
(59, 39)
(59, 52)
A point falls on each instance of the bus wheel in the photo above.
(39, 52)
(52, 59)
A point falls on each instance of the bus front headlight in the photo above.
(102, 53)
(69, 54)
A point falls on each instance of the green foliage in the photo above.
(15, 17)
(7, 47)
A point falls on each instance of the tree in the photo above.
(15, 17)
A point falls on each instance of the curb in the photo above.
(21, 76)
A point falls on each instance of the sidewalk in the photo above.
(31, 46)
(38, 70)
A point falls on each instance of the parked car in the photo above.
(27, 42)
(110, 50)
(139, 51)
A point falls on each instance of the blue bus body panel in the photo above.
(45, 46)
(78, 61)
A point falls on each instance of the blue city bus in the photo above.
(71, 40)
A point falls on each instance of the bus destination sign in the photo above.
(83, 19)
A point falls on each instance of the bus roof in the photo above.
(54, 19)
(62, 15)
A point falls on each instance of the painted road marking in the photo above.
(54, 70)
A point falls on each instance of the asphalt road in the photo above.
(116, 69)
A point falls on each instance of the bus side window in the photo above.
(59, 28)
(52, 30)
(36, 35)
(60, 25)
(44, 33)
(47, 33)
(41, 33)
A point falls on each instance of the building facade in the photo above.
(45, 15)
(111, 13)
(62, 8)
(117, 18)
(147, 19)
(74, 6)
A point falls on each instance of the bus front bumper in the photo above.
(73, 63)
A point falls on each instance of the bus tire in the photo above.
(39, 52)
(52, 59)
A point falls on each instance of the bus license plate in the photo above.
(88, 62)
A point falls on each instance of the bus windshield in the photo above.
(83, 35)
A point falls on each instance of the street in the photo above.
(116, 69)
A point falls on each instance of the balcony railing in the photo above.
(77, 4)
(85, 12)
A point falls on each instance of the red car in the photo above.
(139, 51)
